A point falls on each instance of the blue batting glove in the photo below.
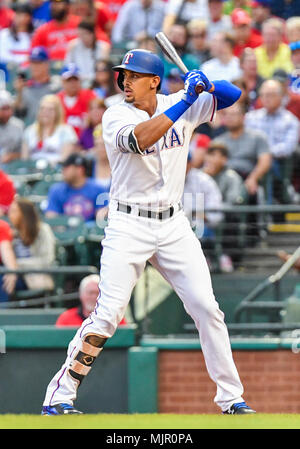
(208, 85)
(192, 81)
(205, 80)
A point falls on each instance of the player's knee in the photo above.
(208, 309)
(92, 345)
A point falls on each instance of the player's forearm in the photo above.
(149, 132)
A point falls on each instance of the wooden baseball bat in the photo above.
(169, 50)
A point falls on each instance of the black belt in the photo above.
(162, 215)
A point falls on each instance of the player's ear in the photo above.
(155, 81)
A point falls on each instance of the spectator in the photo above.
(7, 192)
(249, 152)
(138, 17)
(76, 194)
(49, 137)
(178, 36)
(6, 15)
(261, 11)
(96, 110)
(250, 76)
(88, 295)
(280, 125)
(74, 98)
(41, 12)
(15, 41)
(101, 168)
(7, 260)
(228, 180)
(179, 11)
(114, 6)
(292, 27)
(294, 76)
(273, 54)
(291, 100)
(104, 85)
(285, 8)
(197, 44)
(244, 98)
(200, 193)
(281, 128)
(233, 193)
(11, 130)
(33, 243)
(30, 92)
(85, 50)
(198, 147)
(223, 63)
(97, 11)
(218, 21)
(173, 82)
(230, 5)
(56, 34)
(244, 35)
(147, 43)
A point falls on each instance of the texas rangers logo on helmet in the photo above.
(127, 57)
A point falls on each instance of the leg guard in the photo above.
(91, 347)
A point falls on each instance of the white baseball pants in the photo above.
(174, 250)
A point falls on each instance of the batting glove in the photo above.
(205, 80)
(192, 81)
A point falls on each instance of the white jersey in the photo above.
(156, 179)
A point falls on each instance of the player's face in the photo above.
(138, 85)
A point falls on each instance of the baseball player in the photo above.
(147, 137)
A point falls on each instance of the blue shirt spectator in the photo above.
(40, 12)
(76, 195)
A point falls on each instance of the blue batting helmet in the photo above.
(140, 61)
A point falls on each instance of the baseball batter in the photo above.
(147, 137)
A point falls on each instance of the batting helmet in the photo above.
(140, 61)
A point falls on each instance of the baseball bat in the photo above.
(169, 50)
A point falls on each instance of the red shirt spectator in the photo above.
(244, 35)
(75, 100)
(6, 15)
(7, 192)
(114, 6)
(104, 20)
(56, 34)
(74, 317)
(88, 294)
(5, 232)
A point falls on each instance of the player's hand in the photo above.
(193, 85)
(208, 86)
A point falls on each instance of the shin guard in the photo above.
(91, 347)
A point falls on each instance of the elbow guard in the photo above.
(133, 144)
(127, 142)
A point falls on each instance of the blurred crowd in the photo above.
(56, 81)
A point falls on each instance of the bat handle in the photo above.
(200, 88)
